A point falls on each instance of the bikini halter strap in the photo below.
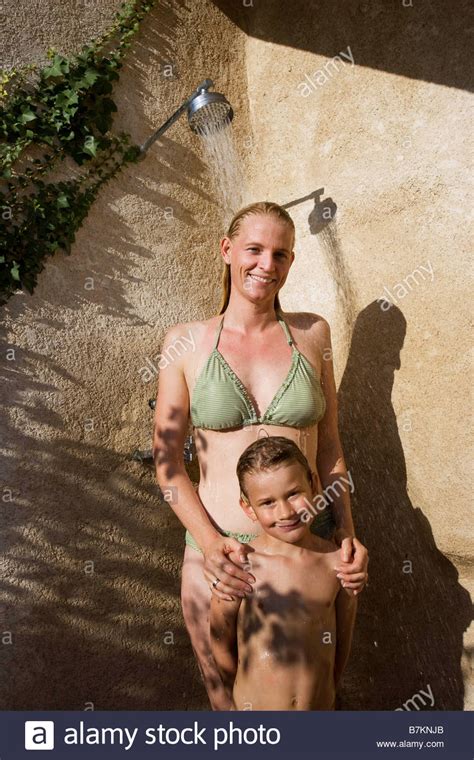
(287, 330)
(219, 330)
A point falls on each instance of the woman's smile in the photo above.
(265, 280)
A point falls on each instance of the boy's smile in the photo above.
(287, 526)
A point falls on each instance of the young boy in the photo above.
(284, 646)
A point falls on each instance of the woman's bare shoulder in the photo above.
(198, 328)
(307, 325)
(196, 336)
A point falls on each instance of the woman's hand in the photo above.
(355, 559)
(225, 576)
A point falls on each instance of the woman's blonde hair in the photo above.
(261, 207)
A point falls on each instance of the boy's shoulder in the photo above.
(326, 547)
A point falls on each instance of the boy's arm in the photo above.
(223, 624)
(346, 608)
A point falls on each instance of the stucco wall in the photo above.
(389, 150)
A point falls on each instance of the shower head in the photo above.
(209, 112)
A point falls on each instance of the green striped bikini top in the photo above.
(220, 400)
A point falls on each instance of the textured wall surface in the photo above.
(368, 152)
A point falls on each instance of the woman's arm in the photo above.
(330, 458)
(346, 608)
(223, 626)
(169, 433)
(335, 479)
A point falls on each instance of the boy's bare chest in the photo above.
(288, 621)
(290, 618)
(295, 592)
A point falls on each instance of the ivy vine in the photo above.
(64, 109)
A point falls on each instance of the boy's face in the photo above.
(278, 499)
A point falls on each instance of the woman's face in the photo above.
(260, 256)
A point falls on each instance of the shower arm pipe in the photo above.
(199, 89)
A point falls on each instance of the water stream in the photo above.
(226, 174)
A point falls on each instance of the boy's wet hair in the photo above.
(268, 453)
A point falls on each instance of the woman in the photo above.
(276, 379)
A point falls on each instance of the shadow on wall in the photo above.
(170, 166)
(426, 41)
(91, 575)
(413, 614)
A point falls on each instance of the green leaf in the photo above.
(66, 98)
(90, 145)
(60, 66)
(14, 271)
(62, 201)
(26, 116)
(52, 71)
(90, 76)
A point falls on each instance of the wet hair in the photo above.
(269, 453)
(261, 207)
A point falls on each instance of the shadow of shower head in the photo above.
(207, 112)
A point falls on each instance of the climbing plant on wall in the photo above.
(64, 109)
